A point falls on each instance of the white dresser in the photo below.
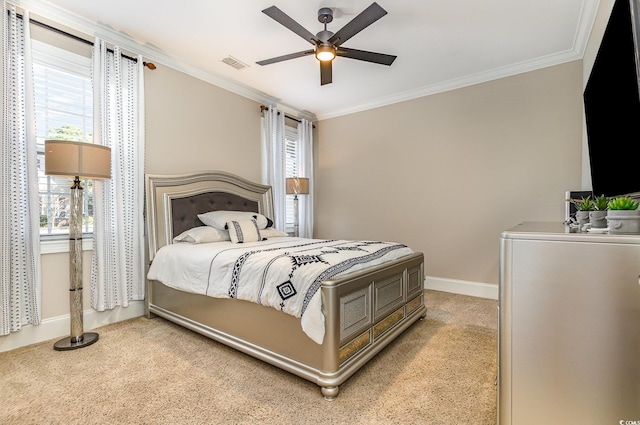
(569, 327)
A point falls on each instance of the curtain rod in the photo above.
(80, 39)
(264, 108)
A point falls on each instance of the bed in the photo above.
(362, 311)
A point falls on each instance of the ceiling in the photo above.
(440, 44)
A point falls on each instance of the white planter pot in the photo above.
(598, 219)
(582, 217)
(624, 222)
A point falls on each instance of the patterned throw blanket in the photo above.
(283, 273)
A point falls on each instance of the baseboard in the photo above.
(462, 287)
(58, 327)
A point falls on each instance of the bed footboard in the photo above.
(364, 312)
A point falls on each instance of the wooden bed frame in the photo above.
(364, 311)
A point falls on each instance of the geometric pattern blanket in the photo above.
(284, 273)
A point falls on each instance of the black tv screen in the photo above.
(612, 106)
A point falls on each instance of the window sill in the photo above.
(54, 246)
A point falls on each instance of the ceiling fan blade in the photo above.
(357, 24)
(325, 72)
(284, 19)
(363, 55)
(285, 57)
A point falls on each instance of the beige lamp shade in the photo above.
(297, 186)
(66, 158)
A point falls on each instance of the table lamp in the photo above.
(297, 186)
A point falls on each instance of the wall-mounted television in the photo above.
(612, 105)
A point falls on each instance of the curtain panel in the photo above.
(20, 280)
(117, 269)
(274, 163)
(305, 136)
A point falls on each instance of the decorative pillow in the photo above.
(202, 234)
(244, 231)
(219, 219)
(272, 233)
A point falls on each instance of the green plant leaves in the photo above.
(586, 204)
(602, 203)
(623, 203)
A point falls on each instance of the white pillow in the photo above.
(272, 232)
(244, 231)
(219, 219)
(202, 234)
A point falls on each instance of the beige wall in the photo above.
(445, 174)
(192, 125)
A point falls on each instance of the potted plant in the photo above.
(583, 207)
(598, 217)
(623, 216)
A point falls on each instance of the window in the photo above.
(292, 165)
(64, 110)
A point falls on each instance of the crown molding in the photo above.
(587, 19)
(151, 53)
(454, 84)
(55, 13)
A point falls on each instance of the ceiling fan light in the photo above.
(325, 52)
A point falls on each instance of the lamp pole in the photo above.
(296, 216)
(77, 338)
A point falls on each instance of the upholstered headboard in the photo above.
(184, 211)
(173, 202)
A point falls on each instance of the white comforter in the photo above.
(284, 273)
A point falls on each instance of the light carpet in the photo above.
(141, 371)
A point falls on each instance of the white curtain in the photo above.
(273, 162)
(117, 269)
(20, 281)
(305, 136)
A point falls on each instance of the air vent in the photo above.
(235, 63)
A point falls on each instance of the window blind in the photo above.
(64, 110)
(292, 167)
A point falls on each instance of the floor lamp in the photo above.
(86, 160)
(297, 186)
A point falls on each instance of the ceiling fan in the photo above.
(327, 44)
